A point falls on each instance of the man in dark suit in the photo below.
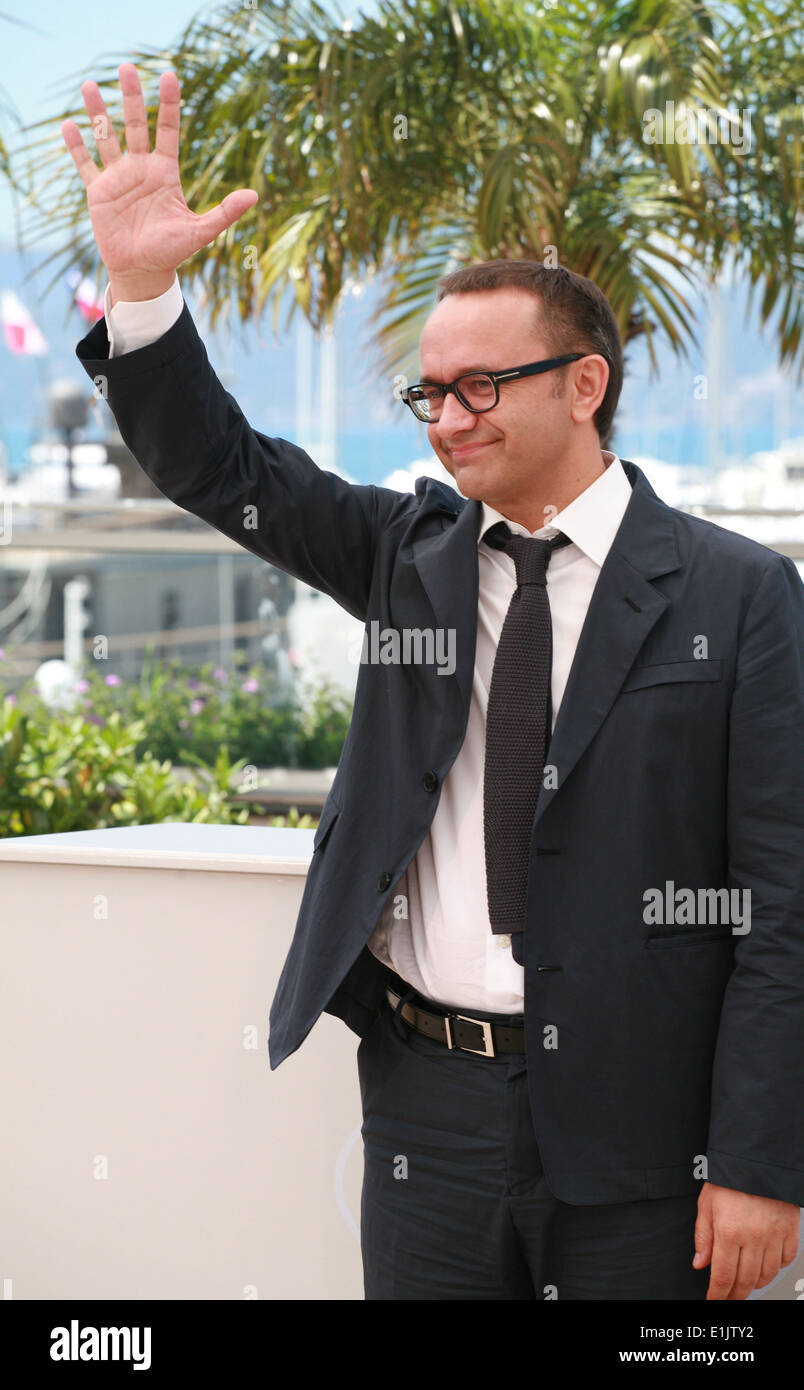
(558, 885)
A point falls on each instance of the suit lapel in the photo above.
(447, 567)
(623, 609)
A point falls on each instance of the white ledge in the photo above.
(172, 845)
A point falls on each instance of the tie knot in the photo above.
(531, 554)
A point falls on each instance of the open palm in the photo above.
(140, 220)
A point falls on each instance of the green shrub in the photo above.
(293, 821)
(197, 710)
(60, 772)
(109, 760)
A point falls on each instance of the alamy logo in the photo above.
(407, 646)
(679, 124)
(102, 1344)
(687, 907)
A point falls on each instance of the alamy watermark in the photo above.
(407, 646)
(696, 125)
(77, 1343)
(692, 907)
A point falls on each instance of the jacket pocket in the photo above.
(329, 814)
(665, 672)
(690, 936)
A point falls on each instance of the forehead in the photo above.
(486, 328)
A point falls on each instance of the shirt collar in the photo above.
(591, 520)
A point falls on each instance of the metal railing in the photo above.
(51, 534)
(196, 537)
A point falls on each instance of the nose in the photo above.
(454, 418)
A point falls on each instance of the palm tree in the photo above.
(440, 132)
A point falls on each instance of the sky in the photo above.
(755, 405)
(65, 38)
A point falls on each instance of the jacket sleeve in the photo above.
(193, 441)
(756, 1133)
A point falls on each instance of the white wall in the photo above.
(145, 1152)
(122, 1043)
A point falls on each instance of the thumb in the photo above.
(211, 224)
(704, 1232)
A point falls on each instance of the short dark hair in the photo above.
(574, 315)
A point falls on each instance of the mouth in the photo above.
(471, 449)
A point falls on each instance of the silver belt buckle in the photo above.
(487, 1050)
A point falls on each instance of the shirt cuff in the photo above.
(132, 324)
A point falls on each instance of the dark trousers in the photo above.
(455, 1204)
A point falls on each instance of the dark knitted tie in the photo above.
(517, 731)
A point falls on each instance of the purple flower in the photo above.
(249, 687)
(182, 723)
(192, 683)
(112, 680)
(196, 706)
(219, 673)
(95, 719)
(12, 699)
(2, 654)
(82, 687)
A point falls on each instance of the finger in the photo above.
(725, 1258)
(747, 1273)
(211, 224)
(134, 113)
(771, 1264)
(102, 128)
(135, 116)
(168, 120)
(82, 159)
(703, 1237)
(790, 1247)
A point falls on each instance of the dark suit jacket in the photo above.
(674, 1043)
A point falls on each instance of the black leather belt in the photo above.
(461, 1032)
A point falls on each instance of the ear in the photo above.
(589, 380)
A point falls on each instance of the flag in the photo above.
(88, 299)
(21, 333)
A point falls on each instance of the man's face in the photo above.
(499, 456)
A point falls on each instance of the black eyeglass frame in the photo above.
(510, 374)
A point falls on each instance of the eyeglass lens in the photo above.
(476, 391)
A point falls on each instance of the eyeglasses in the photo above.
(477, 391)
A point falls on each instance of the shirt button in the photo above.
(503, 941)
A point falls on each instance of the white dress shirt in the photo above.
(133, 324)
(434, 930)
(444, 945)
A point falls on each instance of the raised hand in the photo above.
(142, 225)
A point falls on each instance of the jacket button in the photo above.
(383, 882)
(429, 781)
